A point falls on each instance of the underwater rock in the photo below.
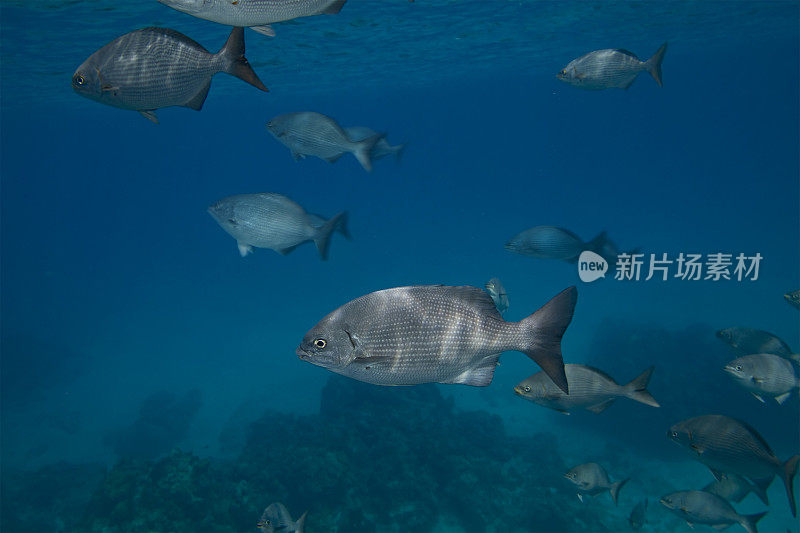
(163, 422)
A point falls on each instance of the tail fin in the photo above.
(334, 8)
(789, 470)
(235, 63)
(615, 487)
(364, 149)
(654, 64)
(342, 226)
(544, 329)
(637, 389)
(761, 492)
(749, 521)
(398, 151)
(323, 236)
(300, 525)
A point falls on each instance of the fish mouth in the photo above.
(519, 392)
(302, 354)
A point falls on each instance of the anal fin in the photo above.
(266, 29)
(150, 115)
(600, 407)
(287, 251)
(479, 376)
(783, 397)
(197, 100)
(244, 249)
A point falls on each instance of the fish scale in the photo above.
(254, 12)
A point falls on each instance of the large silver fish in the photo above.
(589, 388)
(436, 333)
(700, 507)
(270, 220)
(727, 445)
(592, 479)
(764, 374)
(552, 242)
(498, 293)
(748, 341)
(254, 13)
(603, 69)
(276, 519)
(734, 488)
(381, 149)
(309, 133)
(793, 298)
(148, 69)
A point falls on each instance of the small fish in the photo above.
(381, 149)
(727, 445)
(318, 221)
(734, 488)
(498, 293)
(793, 298)
(592, 479)
(434, 334)
(552, 242)
(276, 518)
(269, 220)
(749, 341)
(309, 133)
(256, 14)
(589, 388)
(148, 69)
(603, 69)
(699, 507)
(638, 515)
(764, 374)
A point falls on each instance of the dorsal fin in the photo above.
(626, 52)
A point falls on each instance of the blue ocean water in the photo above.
(131, 327)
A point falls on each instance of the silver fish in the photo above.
(638, 515)
(748, 341)
(498, 293)
(309, 133)
(318, 221)
(269, 220)
(699, 507)
(257, 14)
(552, 242)
(276, 518)
(764, 374)
(589, 388)
(727, 445)
(734, 488)
(148, 69)
(793, 298)
(381, 149)
(436, 333)
(603, 69)
(592, 479)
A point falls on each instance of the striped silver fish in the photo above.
(734, 488)
(434, 334)
(728, 445)
(552, 242)
(793, 298)
(148, 69)
(256, 14)
(749, 341)
(381, 149)
(589, 388)
(603, 69)
(699, 507)
(764, 374)
(308, 133)
(269, 220)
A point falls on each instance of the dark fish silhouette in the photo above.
(699, 507)
(148, 69)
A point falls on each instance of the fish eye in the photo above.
(738, 368)
(78, 79)
(527, 388)
(674, 434)
(320, 343)
(563, 72)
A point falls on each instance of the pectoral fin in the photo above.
(580, 497)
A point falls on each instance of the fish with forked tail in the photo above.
(728, 445)
(276, 519)
(592, 479)
(434, 333)
(764, 374)
(734, 488)
(700, 507)
(589, 388)
(604, 69)
(148, 69)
